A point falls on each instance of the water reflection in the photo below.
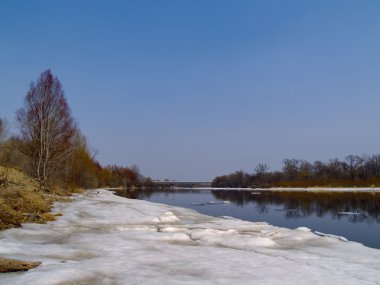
(352, 206)
(356, 207)
(144, 194)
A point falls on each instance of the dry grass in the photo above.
(14, 265)
(22, 200)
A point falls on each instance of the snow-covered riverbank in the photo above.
(105, 239)
(299, 189)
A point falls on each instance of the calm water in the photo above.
(356, 216)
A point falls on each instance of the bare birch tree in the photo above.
(3, 129)
(46, 126)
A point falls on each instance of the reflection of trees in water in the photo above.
(142, 194)
(261, 208)
(293, 214)
(134, 194)
(239, 198)
(365, 206)
(361, 218)
(362, 206)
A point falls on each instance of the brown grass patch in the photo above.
(21, 200)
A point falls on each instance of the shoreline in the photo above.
(106, 239)
(295, 189)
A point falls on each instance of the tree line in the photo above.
(50, 145)
(353, 171)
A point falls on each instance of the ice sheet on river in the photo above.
(105, 239)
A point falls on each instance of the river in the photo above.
(353, 215)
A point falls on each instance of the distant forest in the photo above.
(50, 147)
(353, 171)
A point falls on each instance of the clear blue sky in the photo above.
(188, 90)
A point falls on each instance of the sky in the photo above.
(188, 90)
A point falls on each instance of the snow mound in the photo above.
(168, 217)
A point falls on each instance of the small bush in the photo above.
(9, 218)
(48, 217)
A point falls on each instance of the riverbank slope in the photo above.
(22, 200)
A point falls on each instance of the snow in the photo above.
(308, 189)
(350, 213)
(105, 239)
(324, 189)
(217, 203)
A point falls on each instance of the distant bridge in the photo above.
(181, 184)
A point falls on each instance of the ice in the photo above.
(350, 213)
(218, 202)
(105, 239)
(212, 203)
(168, 217)
(303, 229)
(330, 235)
